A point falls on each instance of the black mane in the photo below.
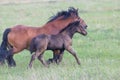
(65, 14)
(70, 26)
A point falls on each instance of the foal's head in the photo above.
(80, 29)
(74, 27)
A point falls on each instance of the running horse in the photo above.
(18, 38)
(61, 41)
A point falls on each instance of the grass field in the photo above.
(99, 51)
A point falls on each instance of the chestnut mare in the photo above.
(18, 38)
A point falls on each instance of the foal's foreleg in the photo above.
(71, 50)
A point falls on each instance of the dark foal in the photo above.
(57, 55)
(62, 41)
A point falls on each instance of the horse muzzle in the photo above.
(84, 33)
(85, 27)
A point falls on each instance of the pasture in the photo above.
(99, 51)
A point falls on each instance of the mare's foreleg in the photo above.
(55, 56)
(71, 50)
(60, 56)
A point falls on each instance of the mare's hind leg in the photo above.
(11, 62)
(71, 50)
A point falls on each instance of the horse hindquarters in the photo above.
(4, 53)
(5, 39)
(38, 45)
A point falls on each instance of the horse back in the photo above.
(21, 35)
(39, 42)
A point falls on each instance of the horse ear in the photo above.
(77, 9)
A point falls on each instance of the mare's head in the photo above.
(64, 18)
(67, 16)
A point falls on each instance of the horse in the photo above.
(57, 55)
(18, 38)
(61, 41)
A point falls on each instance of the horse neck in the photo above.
(40, 30)
(59, 24)
(69, 32)
(55, 26)
(64, 23)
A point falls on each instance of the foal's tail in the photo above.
(3, 47)
(32, 46)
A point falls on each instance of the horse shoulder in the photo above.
(67, 41)
(51, 28)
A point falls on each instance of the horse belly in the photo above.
(55, 44)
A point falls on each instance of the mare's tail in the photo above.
(3, 47)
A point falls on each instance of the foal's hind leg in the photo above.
(33, 57)
(38, 54)
(40, 57)
(71, 50)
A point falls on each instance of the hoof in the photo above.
(2, 63)
(12, 65)
(49, 61)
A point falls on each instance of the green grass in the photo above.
(99, 51)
